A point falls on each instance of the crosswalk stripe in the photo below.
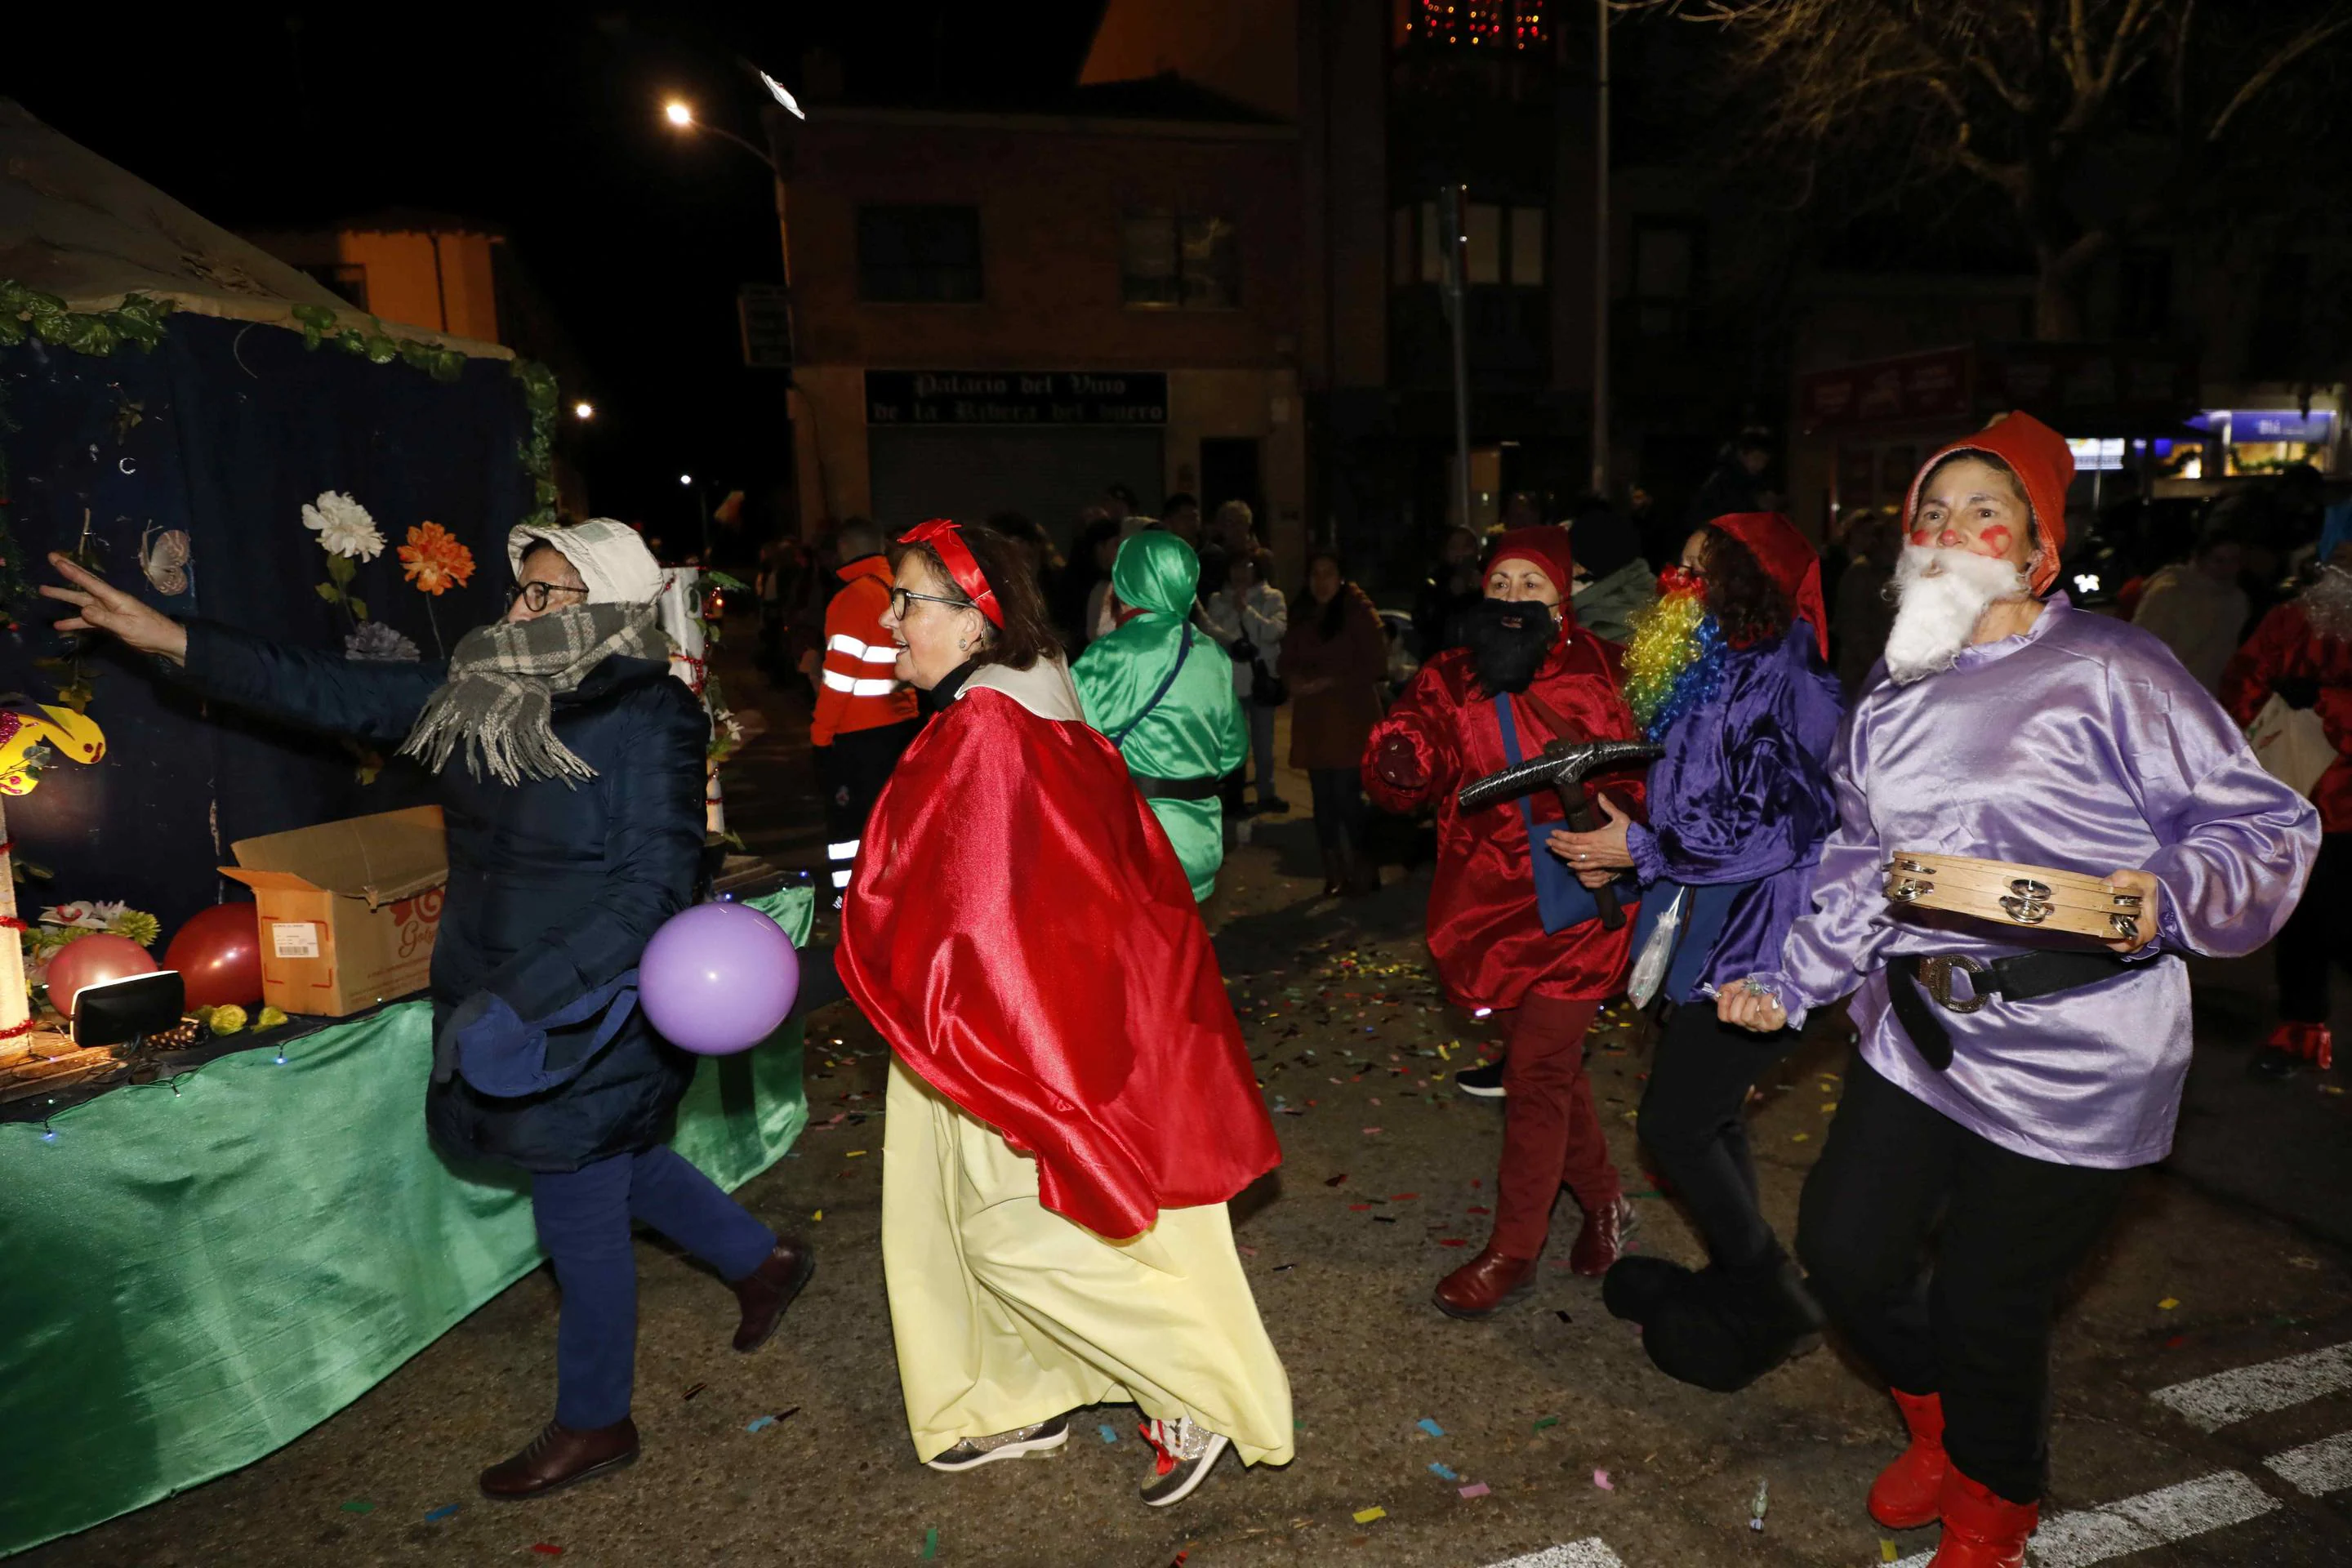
(2213, 1403)
(2318, 1468)
(2084, 1536)
(1592, 1553)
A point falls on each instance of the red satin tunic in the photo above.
(2285, 646)
(1020, 931)
(1442, 733)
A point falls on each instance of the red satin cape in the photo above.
(1019, 929)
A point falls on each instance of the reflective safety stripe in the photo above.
(881, 653)
(869, 687)
(840, 682)
(849, 646)
(841, 878)
(842, 851)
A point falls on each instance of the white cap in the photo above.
(606, 553)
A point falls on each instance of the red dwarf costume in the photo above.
(1491, 949)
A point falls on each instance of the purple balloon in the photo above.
(718, 978)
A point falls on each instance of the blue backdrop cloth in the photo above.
(224, 432)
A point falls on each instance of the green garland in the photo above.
(538, 454)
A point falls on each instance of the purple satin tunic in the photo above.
(1742, 796)
(2082, 745)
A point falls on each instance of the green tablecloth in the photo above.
(193, 1274)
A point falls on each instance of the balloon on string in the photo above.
(218, 953)
(93, 960)
(718, 978)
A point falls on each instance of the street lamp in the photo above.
(679, 113)
(583, 409)
(686, 479)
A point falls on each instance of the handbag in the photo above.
(1561, 901)
(2291, 743)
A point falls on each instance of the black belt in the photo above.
(1177, 789)
(2020, 978)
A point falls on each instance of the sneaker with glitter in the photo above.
(974, 1452)
(1185, 1453)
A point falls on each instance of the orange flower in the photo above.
(435, 559)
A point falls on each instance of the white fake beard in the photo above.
(1940, 597)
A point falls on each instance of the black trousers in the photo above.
(2317, 937)
(1975, 1326)
(1341, 810)
(1695, 1126)
(853, 769)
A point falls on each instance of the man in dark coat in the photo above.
(574, 831)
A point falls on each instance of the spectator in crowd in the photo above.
(1249, 617)
(1613, 581)
(865, 717)
(1736, 484)
(1182, 517)
(1863, 609)
(1036, 544)
(2302, 654)
(1334, 657)
(2196, 606)
(1118, 505)
(1522, 508)
(1458, 585)
(1232, 532)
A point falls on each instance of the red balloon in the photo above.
(93, 960)
(218, 953)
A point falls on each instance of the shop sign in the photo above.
(2280, 425)
(1932, 385)
(1016, 397)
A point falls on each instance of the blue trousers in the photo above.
(583, 1219)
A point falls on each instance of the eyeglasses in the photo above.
(899, 597)
(536, 594)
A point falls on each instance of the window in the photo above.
(347, 279)
(1178, 261)
(919, 255)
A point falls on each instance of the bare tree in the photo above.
(2093, 120)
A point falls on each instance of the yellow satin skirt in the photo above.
(1005, 1313)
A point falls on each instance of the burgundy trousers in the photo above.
(1551, 1134)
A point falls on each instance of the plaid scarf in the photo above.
(496, 704)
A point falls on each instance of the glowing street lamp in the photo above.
(679, 113)
(583, 409)
(686, 479)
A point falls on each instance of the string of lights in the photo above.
(1500, 25)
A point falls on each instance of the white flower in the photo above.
(72, 916)
(343, 526)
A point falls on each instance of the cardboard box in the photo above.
(349, 909)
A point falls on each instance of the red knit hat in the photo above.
(1788, 558)
(2039, 457)
(1543, 546)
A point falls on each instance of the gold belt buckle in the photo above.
(1935, 975)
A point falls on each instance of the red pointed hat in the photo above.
(1788, 558)
(1542, 546)
(2039, 457)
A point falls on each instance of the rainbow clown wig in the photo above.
(1677, 658)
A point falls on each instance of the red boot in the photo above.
(1981, 1527)
(1906, 1494)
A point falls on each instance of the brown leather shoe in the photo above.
(1485, 1284)
(768, 1289)
(560, 1456)
(1602, 1240)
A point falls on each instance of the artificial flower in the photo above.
(375, 643)
(435, 559)
(225, 1019)
(81, 915)
(343, 527)
(137, 924)
(269, 1019)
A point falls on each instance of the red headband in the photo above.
(945, 536)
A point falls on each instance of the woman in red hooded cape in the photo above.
(1071, 1104)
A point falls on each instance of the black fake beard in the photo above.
(1508, 641)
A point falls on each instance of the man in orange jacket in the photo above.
(864, 718)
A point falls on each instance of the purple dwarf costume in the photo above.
(2080, 745)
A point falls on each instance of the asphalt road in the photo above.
(2203, 1379)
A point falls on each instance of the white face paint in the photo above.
(1941, 596)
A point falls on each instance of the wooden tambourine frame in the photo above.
(2036, 898)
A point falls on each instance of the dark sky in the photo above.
(544, 122)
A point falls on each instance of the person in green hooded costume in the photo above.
(1162, 690)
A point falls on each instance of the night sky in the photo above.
(544, 123)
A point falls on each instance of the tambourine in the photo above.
(2039, 897)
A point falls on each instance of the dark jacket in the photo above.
(552, 891)
(1328, 728)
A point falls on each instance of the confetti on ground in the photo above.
(1547, 1421)
(2176, 1342)
(1763, 1501)
(931, 1543)
(1801, 1137)
(1366, 1515)
(819, 1215)
(2167, 1304)
(696, 1389)
(1563, 1317)
(359, 1505)
(1335, 1180)
(545, 1550)
(1283, 1267)
(1886, 1550)
(1601, 1479)
(1475, 1488)
(440, 1513)
(2302, 1262)
(1430, 1427)
(855, 1154)
(1245, 1251)
(761, 1424)
(1372, 1132)
(1442, 1472)
(1109, 1435)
